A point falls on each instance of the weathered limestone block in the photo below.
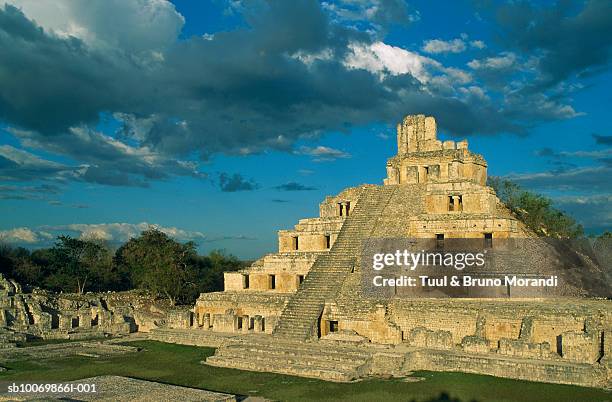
(425, 338)
(119, 324)
(581, 346)
(475, 344)
(84, 318)
(104, 318)
(245, 324)
(179, 318)
(520, 348)
(607, 349)
(65, 322)
(258, 323)
(41, 319)
(225, 322)
(206, 322)
(449, 144)
(527, 329)
(345, 336)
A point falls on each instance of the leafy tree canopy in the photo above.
(535, 210)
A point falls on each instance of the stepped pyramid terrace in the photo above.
(303, 311)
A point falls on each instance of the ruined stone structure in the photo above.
(302, 310)
(47, 315)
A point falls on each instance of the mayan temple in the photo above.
(302, 310)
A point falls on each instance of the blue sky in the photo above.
(224, 121)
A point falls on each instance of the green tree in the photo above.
(605, 235)
(535, 210)
(75, 265)
(159, 264)
(209, 271)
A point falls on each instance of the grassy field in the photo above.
(178, 364)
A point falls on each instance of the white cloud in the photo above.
(383, 59)
(104, 157)
(26, 159)
(475, 92)
(503, 61)
(122, 232)
(22, 165)
(441, 46)
(23, 235)
(323, 154)
(478, 44)
(113, 233)
(310, 58)
(138, 27)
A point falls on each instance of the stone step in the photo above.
(298, 360)
(316, 360)
(294, 369)
(338, 355)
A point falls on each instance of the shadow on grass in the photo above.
(443, 397)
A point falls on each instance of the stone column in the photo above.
(456, 206)
(206, 324)
(65, 322)
(258, 324)
(245, 323)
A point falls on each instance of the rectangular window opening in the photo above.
(272, 281)
(488, 240)
(295, 243)
(439, 240)
(327, 241)
(245, 281)
(333, 326)
(300, 279)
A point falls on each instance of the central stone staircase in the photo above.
(300, 316)
(285, 351)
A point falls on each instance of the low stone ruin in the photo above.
(47, 315)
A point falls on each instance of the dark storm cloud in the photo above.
(568, 38)
(279, 77)
(232, 183)
(48, 84)
(241, 89)
(585, 179)
(108, 161)
(18, 165)
(603, 139)
(20, 192)
(294, 186)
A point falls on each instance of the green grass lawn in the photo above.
(179, 364)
